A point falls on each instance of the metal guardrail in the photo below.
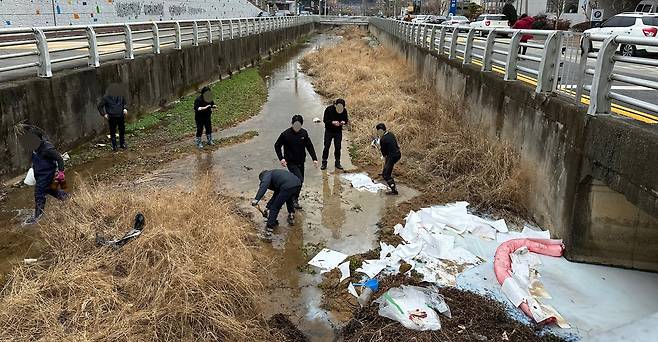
(96, 43)
(558, 65)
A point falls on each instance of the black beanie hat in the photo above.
(341, 101)
(205, 89)
(299, 118)
(381, 126)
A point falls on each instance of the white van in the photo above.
(647, 6)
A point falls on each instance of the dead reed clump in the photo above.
(441, 153)
(189, 276)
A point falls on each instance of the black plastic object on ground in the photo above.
(136, 231)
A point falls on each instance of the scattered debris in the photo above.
(362, 182)
(30, 261)
(136, 231)
(101, 145)
(66, 157)
(317, 120)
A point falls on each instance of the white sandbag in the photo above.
(413, 307)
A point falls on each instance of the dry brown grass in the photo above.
(189, 276)
(442, 155)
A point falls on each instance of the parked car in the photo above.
(420, 19)
(490, 21)
(629, 24)
(456, 20)
(437, 19)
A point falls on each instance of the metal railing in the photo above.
(45, 48)
(553, 61)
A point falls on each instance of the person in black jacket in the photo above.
(285, 185)
(203, 106)
(295, 142)
(391, 153)
(112, 106)
(335, 117)
(48, 167)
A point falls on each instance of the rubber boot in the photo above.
(209, 139)
(324, 165)
(338, 166)
(291, 219)
(394, 189)
(197, 142)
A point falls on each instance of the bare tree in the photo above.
(619, 6)
(556, 7)
(587, 7)
(439, 7)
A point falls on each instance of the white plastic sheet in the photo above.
(327, 260)
(414, 307)
(29, 178)
(362, 182)
(344, 270)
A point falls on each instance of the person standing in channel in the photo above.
(335, 117)
(391, 154)
(295, 142)
(203, 106)
(112, 106)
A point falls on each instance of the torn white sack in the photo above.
(362, 182)
(413, 307)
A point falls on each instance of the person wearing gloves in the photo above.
(203, 106)
(335, 117)
(295, 142)
(48, 167)
(285, 185)
(391, 153)
(112, 106)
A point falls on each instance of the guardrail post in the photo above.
(156, 37)
(209, 28)
(45, 67)
(128, 36)
(585, 47)
(453, 43)
(179, 39)
(487, 60)
(221, 30)
(230, 27)
(240, 31)
(512, 56)
(195, 33)
(442, 39)
(255, 28)
(432, 38)
(94, 57)
(600, 101)
(549, 66)
(468, 50)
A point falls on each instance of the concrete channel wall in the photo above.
(65, 105)
(593, 181)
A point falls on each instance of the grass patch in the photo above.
(237, 98)
(188, 277)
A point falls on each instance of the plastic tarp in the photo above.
(362, 182)
(414, 307)
(516, 270)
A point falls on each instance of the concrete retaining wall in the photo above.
(65, 105)
(565, 152)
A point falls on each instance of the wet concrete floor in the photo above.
(334, 215)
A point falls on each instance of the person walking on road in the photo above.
(203, 106)
(391, 153)
(524, 23)
(285, 185)
(295, 142)
(335, 117)
(112, 106)
(48, 167)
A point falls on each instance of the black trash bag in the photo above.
(136, 231)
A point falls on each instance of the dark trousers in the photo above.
(387, 172)
(120, 122)
(276, 202)
(523, 49)
(297, 170)
(337, 137)
(41, 189)
(201, 122)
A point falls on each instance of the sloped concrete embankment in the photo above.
(592, 179)
(65, 105)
